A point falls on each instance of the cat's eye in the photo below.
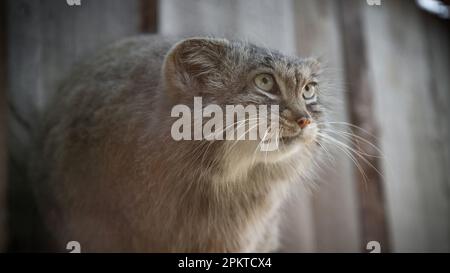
(265, 82)
(309, 91)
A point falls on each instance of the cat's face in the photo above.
(226, 72)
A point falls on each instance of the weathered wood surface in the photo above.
(368, 177)
(409, 60)
(3, 206)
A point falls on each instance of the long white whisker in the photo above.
(348, 136)
(348, 124)
(339, 143)
(361, 170)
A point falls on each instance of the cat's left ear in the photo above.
(195, 64)
(314, 64)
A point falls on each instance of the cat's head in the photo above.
(224, 72)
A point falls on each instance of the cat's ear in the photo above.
(194, 64)
(315, 64)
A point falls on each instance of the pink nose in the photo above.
(303, 122)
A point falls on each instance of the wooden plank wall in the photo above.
(388, 66)
(409, 60)
(3, 208)
(368, 177)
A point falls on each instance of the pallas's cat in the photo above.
(112, 177)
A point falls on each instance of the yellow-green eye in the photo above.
(309, 91)
(265, 82)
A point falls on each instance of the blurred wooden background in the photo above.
(3, 128)
(389, 63)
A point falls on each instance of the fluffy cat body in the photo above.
(111, 177)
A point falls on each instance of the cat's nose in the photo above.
(303, 122)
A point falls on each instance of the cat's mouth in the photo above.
(288, 139)
(305, 135)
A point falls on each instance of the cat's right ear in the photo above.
(194, 65)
